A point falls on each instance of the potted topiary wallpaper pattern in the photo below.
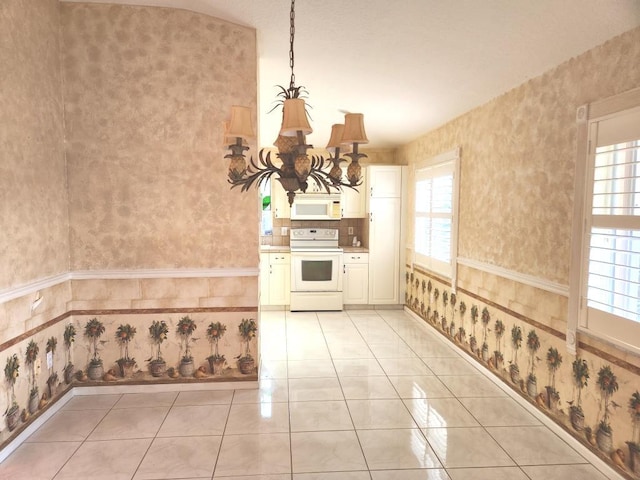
(29, 368)
(592, 397)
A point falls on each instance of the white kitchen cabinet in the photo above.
(279, 200)
(355, 284)
(384, 250)
(264, 278)
(275, 278)
(354, 203)
(313, 187)
(384, 181)
(385, 233)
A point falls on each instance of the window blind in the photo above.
(434, 217)
(613, 282)
(614, 254)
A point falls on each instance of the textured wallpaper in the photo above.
(517, 161)
(33, 201)
(146, 92)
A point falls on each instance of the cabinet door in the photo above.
(384, 180)
(355, 287)
(313, 187)
(279, 200)
(384, 250)
(264, 279)
(353, 203)
(280, 279)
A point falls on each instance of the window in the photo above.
(614, 251)
(435, 229)
(610, 282)
(266, 222)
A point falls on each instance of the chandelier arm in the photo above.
(340, 183)
(256, 172)
(326, 180)
(259, 177)
(266, 161)
(318, 162)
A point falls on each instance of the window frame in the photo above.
(439, 163)
(618, 331)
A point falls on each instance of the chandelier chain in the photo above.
(297, 168)
(292, 34)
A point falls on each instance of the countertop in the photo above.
(355, 250)
(286, 249)
(274, 249)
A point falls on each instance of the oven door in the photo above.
(316, 271)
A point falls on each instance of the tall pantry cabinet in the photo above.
(386, 185)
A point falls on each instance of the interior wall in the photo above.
(146, 93)
(137, 223)
(518, 156)
(33, 198)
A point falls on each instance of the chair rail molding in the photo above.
(48, 282)
(530, 280)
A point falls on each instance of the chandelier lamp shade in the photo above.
(298, 168)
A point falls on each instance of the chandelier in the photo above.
(297, 167)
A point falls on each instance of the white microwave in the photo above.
(316, 207)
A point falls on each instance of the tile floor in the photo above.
(343, 396)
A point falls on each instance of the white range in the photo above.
(316, 269)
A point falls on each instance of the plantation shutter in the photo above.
(434, 211)
(613, 222)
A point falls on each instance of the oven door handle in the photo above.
(329, 255)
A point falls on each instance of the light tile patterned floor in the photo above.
(343, 396)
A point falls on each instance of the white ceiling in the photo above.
(412, 65)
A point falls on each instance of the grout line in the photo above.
(224, 430)
(344, 398)
(547, 422)
(286, 351)
(86, 439)
(414, 327)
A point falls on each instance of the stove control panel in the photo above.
(314, 234)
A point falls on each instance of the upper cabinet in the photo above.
(315, 188)
(279, 200)
(384, 181)
(353, 203)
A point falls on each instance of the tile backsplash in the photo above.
(343, 225)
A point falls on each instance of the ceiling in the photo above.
(409, 66)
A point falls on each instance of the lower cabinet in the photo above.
(275, 278)
(355, 284)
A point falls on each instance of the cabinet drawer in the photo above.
(279, 258)
(349, 258)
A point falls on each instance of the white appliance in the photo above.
(316, 269)
(314, 206)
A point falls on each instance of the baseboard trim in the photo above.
(576, 444)
(79, 390)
